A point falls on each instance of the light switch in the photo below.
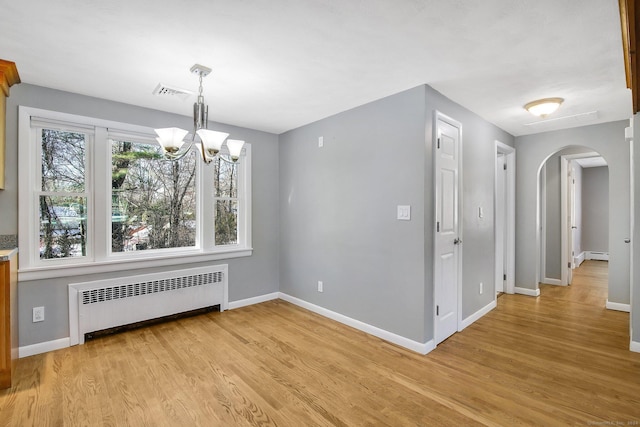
(404, 212)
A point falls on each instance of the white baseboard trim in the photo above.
(478, 314)
(548, 281)
(43, 347)
(527, 291)
(635, 346)
(253, 300)
(618, 306)
(579, 259)
(600, 256)
(418, 347)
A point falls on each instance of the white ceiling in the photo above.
(280, 64)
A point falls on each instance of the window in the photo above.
(62, 199)
(153, 201)
(94, 194)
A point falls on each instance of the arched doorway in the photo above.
(573, 186)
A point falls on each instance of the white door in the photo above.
(500, 222)
(447, 236)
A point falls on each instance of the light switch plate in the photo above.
(404, 212)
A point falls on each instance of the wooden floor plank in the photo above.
(559, 359)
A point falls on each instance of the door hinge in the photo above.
(438, 143)
(504, 166)
(504, 277)
(437, 310)
(569, 264)
(438, 226)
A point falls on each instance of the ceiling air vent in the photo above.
(171, 91)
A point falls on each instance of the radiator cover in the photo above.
(103, 304)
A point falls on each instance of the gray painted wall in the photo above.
(338, 211)
(595, 209)
(248, 277)
(533, 150)
(552, 218)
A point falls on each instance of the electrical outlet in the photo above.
(481, 286)
(38, 314)
(320, 286)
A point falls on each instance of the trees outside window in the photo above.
(153, 201)
(62, 197)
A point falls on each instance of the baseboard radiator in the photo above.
(110, 303)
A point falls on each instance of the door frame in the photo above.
(437, 115)
(565, 241)
(509, 154)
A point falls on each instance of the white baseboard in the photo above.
(600, 256)
(418, 347)
(253, 300)
(478, 314)
(635, 346)
(548, 281)
(43, 347)
(618, 306)
(527, 291)
(579, 259)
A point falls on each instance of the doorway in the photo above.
(504, 218)
(574, 213)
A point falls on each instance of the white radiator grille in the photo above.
(92, 296)
(109, 303)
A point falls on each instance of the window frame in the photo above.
(99, 258)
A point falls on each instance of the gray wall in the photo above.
(595, 209)
(338, 211)
(533, 150)
(552, 218)
(248, 277)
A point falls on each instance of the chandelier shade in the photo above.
(235, 148)
(171, 139)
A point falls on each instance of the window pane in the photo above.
(226, 222)
(63, 227)
(225, 177)
(153, 200)
(63, 161)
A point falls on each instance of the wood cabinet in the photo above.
(8, 315)
(8, 77)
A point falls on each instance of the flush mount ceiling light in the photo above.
(210, 142)
(543, 107)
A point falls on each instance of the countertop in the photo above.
(6, 254)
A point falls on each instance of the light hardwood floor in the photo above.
(560, 359)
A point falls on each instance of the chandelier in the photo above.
(172, 140)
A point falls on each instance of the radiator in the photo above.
(104, 304)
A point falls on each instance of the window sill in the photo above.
(112, 265)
